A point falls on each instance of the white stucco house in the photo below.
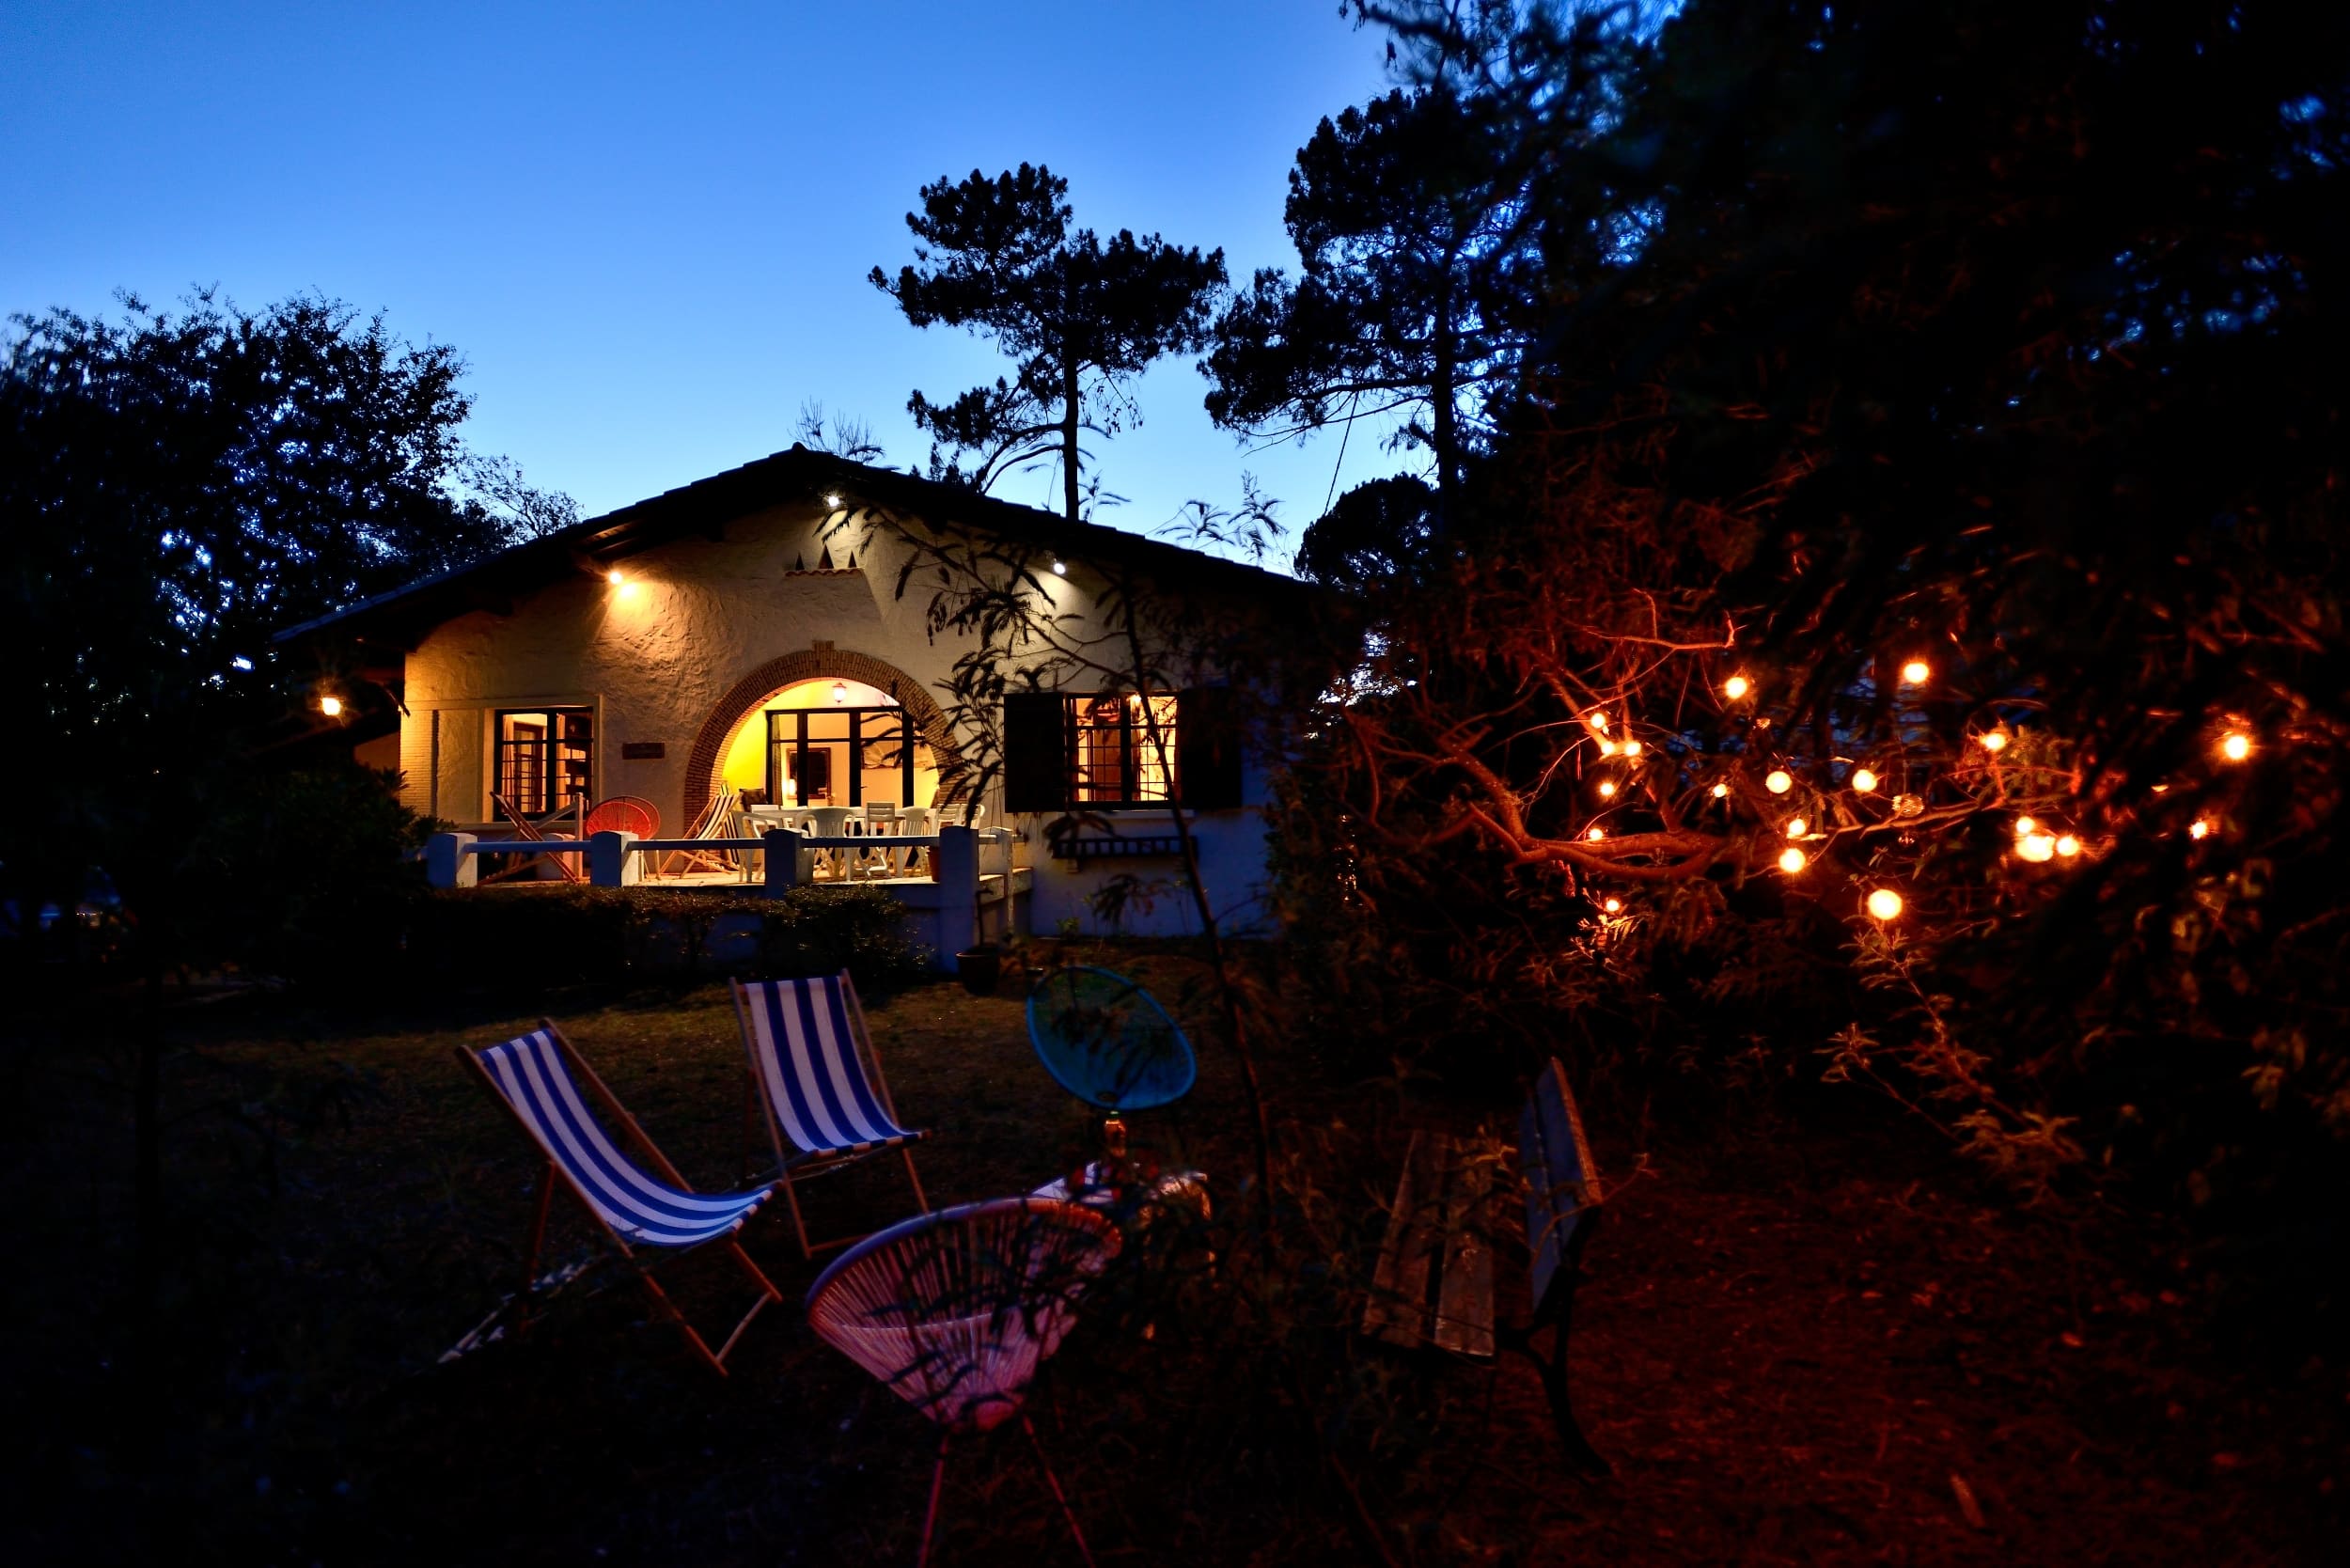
(775, 634)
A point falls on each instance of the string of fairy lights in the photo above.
(2035, 841)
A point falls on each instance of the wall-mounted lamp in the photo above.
(833, 501)
(613, 577)
(331, 706)
(840, 692)
(1059, 569)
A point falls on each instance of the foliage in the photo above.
(1998, 337)
(1079, 316)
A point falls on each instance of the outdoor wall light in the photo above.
(1059, 569)
(613, 577)
(839, 694)
(331, 706)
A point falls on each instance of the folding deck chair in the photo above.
(536, 832)
(814, 1074)
(712, 823)
(537, 1080)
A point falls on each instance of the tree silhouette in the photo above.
(1079, 316)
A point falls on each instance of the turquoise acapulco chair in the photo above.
(1106, 1041)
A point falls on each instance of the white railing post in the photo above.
(958, 888)
(789, 862)
(612, 862)
(449, 860)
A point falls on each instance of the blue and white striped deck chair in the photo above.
(815, 1077)
(538, 1079)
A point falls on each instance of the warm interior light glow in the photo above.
(1596, 834)
(2235, 745)
(613, 577)
(1797, 827)
(1607, 791)
(1780, 781)
(2026, 824)
(1736, 687)
(2199, 828)
(1995, 741)
(1885, 903)
(2068, 846)
(2036, 847)
(1721, 791)
(1915, 672)
(628, 590)
(1863, 780)
(1792, 861)
(1613, 906)
(331, 706)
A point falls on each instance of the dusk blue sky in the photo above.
(647, 228)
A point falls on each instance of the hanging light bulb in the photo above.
(1780, 781)
(1863, 780)
(1607, 790)
(1631, 748)
(2037, 848)
(2235, 745)
(1916, 672)
(1607, 748)
(2068, 846)
(1993, 740)
(2199, 828)
(1613, 906)
(1885, 903)
(1796, 827)
(1793, 861)
(1721, 791)
(1597, 720)
(1736, 687)
(2025, 825)
(1596, 834)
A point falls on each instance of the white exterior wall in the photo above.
(700, 614)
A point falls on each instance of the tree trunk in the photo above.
(1440, 395)
(1069, 435)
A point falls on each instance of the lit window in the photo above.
(545, 759)
(1122, 752)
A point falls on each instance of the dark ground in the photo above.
(1816, 1348)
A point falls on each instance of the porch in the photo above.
(973, 890)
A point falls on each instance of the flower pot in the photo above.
(980, 968)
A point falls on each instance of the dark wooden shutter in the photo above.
(1035, 751)
(1207, 747)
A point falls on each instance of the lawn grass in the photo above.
(1797, 1346)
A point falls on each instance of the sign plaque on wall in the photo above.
(643, 751)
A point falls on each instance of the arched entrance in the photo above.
(748, 695)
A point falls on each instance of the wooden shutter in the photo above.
(1207, 747)
(1035, 751)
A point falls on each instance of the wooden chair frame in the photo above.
(794, 1164)
(552, 1173)
(711, 824)
(536, 831)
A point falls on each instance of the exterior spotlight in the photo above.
(1993, 740)
(1736, 687)
(1793, 861)
(613, 577)
(1863, 780)
(1885, 903)
(1061, 569)
(331, 706)
(1780, 781)
(833, 501)
(2235, 745)
(1916, 672)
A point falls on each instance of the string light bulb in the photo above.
(1597, 720)
(1607, 790)
(1993, 741)
(2068, 846)
(1721, 791)
(1916, 672)
(2038, 848)
(1863, 780)
(1792, 861)
(2235, 745)
(1780, 781)
(1797, 827)
(1596, 834)
(2026, 824)
(1606, 747)
(1613, 906)
(1631, 748)
(1885, 903)
(1736, 687)
(2199, 828)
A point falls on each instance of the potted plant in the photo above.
(979, 966)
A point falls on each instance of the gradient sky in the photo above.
(647, 227)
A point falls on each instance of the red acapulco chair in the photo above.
(954, 1313)
(625, 814)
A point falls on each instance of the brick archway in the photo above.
(818, 663)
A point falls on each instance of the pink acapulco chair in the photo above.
(954, 1311)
